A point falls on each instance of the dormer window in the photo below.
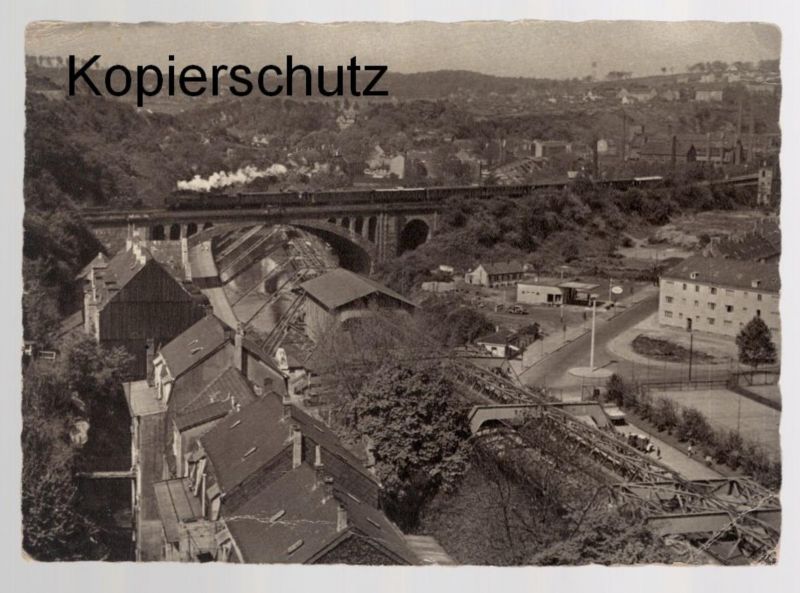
(755, 283)
(694, 275)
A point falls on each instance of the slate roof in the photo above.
(217, 400)
(294, 520)
(340, 287)
(195, 344)
(100, 261)
(117, 272)
(249, 439)
(503, 267)
(728, 273)
(500, 337)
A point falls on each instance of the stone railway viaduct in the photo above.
(368, 233)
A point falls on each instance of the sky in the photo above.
(538, 49)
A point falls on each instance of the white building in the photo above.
(719, 295)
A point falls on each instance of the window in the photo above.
(684, 286)
(759, 296)
(711, 321)
(758, 312)
(727, 322)
(668, 314)
(713, 290)
(697, 303)
(729, 308)
(697, 288)
(712, 306)
(669, 299)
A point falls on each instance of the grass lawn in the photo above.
(726, 409)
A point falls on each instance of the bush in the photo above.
(694, 426)
(616, 388)
(646, 407)
(666, 414)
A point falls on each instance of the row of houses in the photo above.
(229, 466)
(230, 469)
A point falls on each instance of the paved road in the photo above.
(553, 371)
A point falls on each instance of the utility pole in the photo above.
(591, 352)
(691, 353)
(739, 415)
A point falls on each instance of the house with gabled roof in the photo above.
(495, 274)
(132, 301)
(204, 374)
(339, 295)
(303, 518)
(275, 485)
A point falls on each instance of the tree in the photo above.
(609, 538)
(418, 433)
(755, 344)
(52, 529)
(80, 385)
(616, 388)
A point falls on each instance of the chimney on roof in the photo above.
(238, 347)
(141, 256)
(341, 518)
(149, 356)
(297, 447)
(319, 468)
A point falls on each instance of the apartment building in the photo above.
(720, 296)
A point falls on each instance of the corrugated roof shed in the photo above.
(727, 273)
(340, 287)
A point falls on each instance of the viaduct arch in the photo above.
(361, 239)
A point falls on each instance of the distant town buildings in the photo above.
(761, 244)
(550, 148)
(709, 93)
(719, 295)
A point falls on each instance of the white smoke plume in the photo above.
(225, 179)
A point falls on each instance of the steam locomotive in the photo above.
(191, 200)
